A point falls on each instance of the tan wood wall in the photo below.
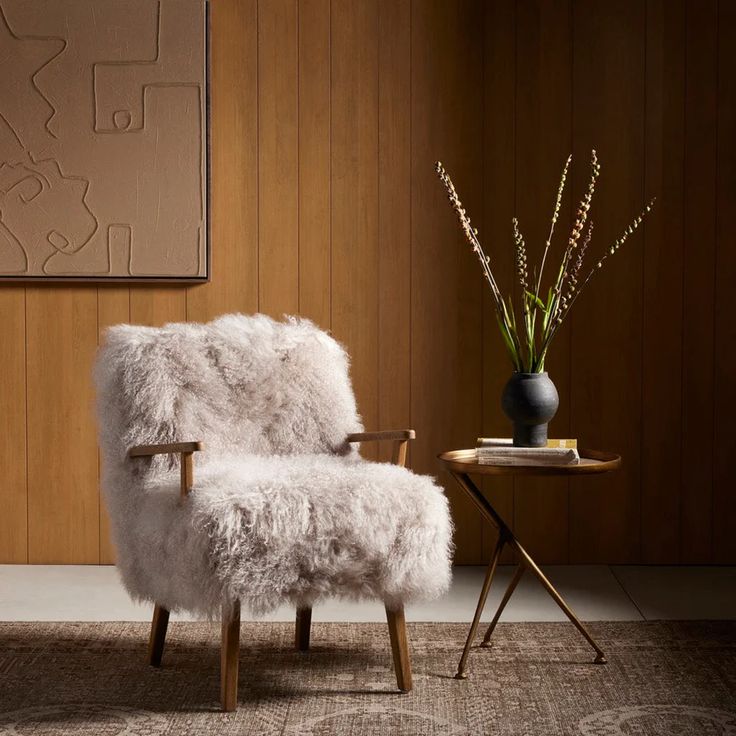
(326, 120)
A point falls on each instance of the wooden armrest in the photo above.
(174, 447)
(386, 434)
(400, 439)
(185, 450)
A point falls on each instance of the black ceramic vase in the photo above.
(530, 400)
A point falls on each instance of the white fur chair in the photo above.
(282, 508)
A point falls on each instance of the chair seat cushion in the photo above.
(289, 529)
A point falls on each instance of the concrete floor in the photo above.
(595, 592)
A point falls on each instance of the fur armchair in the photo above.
(281, 508)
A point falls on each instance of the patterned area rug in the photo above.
(666, 679)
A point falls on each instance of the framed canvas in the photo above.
(104, 140)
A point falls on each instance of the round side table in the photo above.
(461, 464)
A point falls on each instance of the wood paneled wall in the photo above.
(327, 117)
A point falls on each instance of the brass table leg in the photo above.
(506, 536)
(600, 657)
(461, 675)
(509, 592)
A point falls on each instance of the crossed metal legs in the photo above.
(506, 536)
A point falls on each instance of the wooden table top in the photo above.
(591, 461)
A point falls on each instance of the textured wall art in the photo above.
(103, 139)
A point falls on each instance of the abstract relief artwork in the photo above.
(103, 140)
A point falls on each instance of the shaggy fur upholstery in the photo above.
(283, 509)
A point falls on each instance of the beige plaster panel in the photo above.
(102, 139)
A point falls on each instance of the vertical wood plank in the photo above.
(158, 306)
(278, 157)
(724, 509)
(314, 161)
(354, 156)
(606, 342)
(446, 279)
(394, 217)
(63, 495)
(698, 293)
(662, 305)
(462, 138)
(13, 489)
(113, 307)
(499, 184)
(234, 164)
(543, 143)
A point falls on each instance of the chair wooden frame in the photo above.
(230, 646)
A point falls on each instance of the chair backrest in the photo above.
(241, 384)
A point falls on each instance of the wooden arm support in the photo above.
(400, 438)
(386, 434)
(173, 448)
(185, 450)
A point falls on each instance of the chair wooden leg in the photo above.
(399, 647)
(303, 628)
(229, 656)
(158, 635)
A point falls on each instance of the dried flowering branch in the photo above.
(581, 216)
(521, 267)
(567, 287)
(523, 274)
(555, 217)
(504, 314)
(547, 245)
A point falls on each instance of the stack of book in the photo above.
(500, 451)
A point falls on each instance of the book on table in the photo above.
(508, 442)
(501, 451)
